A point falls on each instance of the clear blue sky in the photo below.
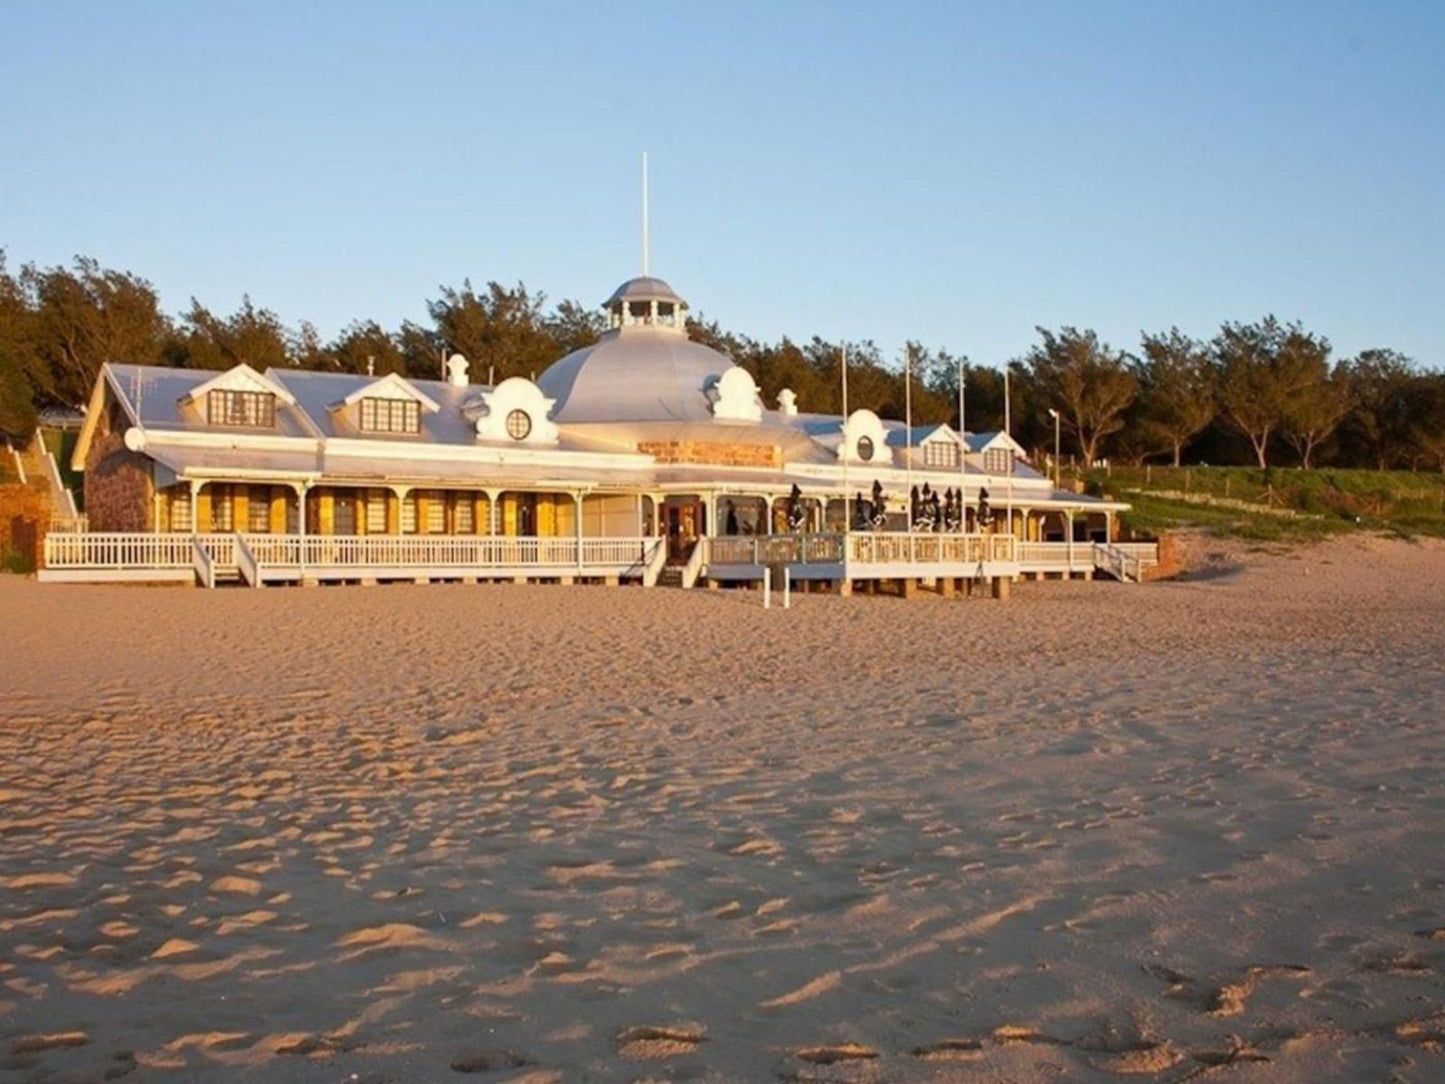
(956, 173)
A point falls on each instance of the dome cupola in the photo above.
(645, 302)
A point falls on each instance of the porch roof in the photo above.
(221, 463)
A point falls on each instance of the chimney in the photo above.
(787, 403)
(457, 371)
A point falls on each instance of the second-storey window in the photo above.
(998, 461)
(248, 409)
(390, 416)
(939, 453)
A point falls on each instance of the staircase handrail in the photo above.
(656, 559)
(693, 568)
(246, 562)
(201, 561)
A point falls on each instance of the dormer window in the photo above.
(390, 416)
(865, 449)
(243, 409)
(998, 461)
(940, 454)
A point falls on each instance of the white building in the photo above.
(642, 452)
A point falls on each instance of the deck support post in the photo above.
(1001, 587)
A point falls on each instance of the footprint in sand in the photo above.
(1141, 1058)
(835, 1053)
(488, 1061)
(950, 1050)
(655, 1043)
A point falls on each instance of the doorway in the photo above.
(684, 520)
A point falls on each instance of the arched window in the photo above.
(519, 424)
(865, 449)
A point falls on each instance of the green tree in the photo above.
(1378, 422)
(1260, 368)
(1089, 383)
(1320, 404)
(1427, 418)
(85, 316)
(17, 398)
(1176, 392)
(503, 328)
(365, 342)
(255, 337)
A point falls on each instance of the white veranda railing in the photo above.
(254, 552)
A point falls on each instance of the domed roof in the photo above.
(644, 288)
(634, 374)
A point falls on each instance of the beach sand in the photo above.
(1184, 830)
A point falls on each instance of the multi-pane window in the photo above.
(462, 515)
(939, 453)
(436, 513)
(258, 510)
(180, 509)
(221, 508)
(408, 514)
(247, 409)
(390, 416)
(998, 461)
(375, 511)
(519, 424)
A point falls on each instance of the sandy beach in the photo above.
(1184, 830)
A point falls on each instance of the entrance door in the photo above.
(683, 520)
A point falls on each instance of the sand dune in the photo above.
(1181, 831)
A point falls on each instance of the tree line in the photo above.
(1263, 392)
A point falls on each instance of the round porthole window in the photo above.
(519, 424)
(865, 449)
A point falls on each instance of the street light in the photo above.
(1055, 415)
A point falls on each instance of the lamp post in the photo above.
(1055, 415)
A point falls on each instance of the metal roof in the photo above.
(634, 374)
(644, 288)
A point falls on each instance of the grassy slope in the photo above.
(1324, 502)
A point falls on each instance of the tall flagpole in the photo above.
(1008, 432)
(908, 428)
(963, 449)
(843, 445)
(646, 226)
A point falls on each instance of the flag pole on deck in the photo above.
(843, 445)
(962, 451)
(1008, 433)
(908, 430)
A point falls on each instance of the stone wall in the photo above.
(712, 452)
(119, 485)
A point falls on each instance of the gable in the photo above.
(391, 386)
(240, 378)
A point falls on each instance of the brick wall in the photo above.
(119, 485)
(715, 453)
